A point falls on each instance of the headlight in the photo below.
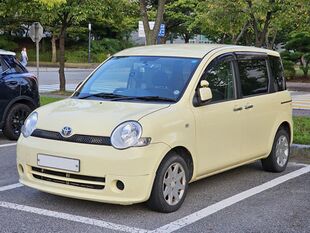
(128, 134)
(30, 124)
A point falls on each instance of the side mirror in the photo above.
(204, 91)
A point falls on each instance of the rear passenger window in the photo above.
(277, 73)
(253, 76)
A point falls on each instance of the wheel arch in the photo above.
(186, 155)
(282, 124)
(286, 126)
(19, 100)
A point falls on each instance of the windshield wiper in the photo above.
(103, 95)
(147, 98)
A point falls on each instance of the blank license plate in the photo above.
(59, 163)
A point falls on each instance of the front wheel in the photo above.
(170, 185)
(15, 120)
(278, 158)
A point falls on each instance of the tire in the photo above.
(169, 201)
(278, 158)
(14, 120)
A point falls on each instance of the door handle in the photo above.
(236, 109)
(248, 106)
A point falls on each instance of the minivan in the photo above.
(19, 94)
(150, 120)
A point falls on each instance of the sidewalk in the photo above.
(293, 86)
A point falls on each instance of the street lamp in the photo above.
(89, 32)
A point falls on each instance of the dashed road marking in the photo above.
(11, 186)
(301, 101)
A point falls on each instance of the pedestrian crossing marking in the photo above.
(301, 101)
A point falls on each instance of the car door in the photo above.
(258, 104)
(219, 124)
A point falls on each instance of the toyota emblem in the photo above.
(66, 132)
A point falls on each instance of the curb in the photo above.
(300, 146)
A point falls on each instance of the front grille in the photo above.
(77, 138)
(65, 178)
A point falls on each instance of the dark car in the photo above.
(19, 94)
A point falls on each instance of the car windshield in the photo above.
(142, 78)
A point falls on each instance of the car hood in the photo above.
(92, 117)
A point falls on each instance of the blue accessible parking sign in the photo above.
(162, 30)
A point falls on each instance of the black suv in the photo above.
(19, 94)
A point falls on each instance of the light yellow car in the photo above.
(149, 120)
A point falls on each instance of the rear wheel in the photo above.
(170, 185)
(278, 158)
(15, 120)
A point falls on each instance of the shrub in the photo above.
(7, 44)
(289, 70)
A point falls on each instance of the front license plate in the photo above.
(59, 163)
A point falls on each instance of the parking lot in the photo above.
(245, 199)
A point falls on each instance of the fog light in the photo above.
(120, 185)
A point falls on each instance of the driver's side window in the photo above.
(220, 76)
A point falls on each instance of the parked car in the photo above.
(19, 94)
(151, 119)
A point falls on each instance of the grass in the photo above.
(61, 93)
(47, 99)
(301, 124)
(302, 130)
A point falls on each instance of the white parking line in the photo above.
(194, 217)
(170, 227)
(73, 218)
(9, 144)
(11, 186)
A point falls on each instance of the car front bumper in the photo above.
(134, 167)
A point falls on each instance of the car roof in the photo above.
(4, 52)
(185, 50)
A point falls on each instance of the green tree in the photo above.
(179, 16)
(298, 50)
(225, 23)
(63, 15)
(250, 22)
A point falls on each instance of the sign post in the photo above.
(89, 40)
(36, 34)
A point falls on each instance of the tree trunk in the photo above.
(245, 27)
(270, 43)
(151, 34)
(62, 79)
(54, 54)
(186, 38)
(260, 35)
(304, 65)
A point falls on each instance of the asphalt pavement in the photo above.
(49, 78)
(245, 199)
